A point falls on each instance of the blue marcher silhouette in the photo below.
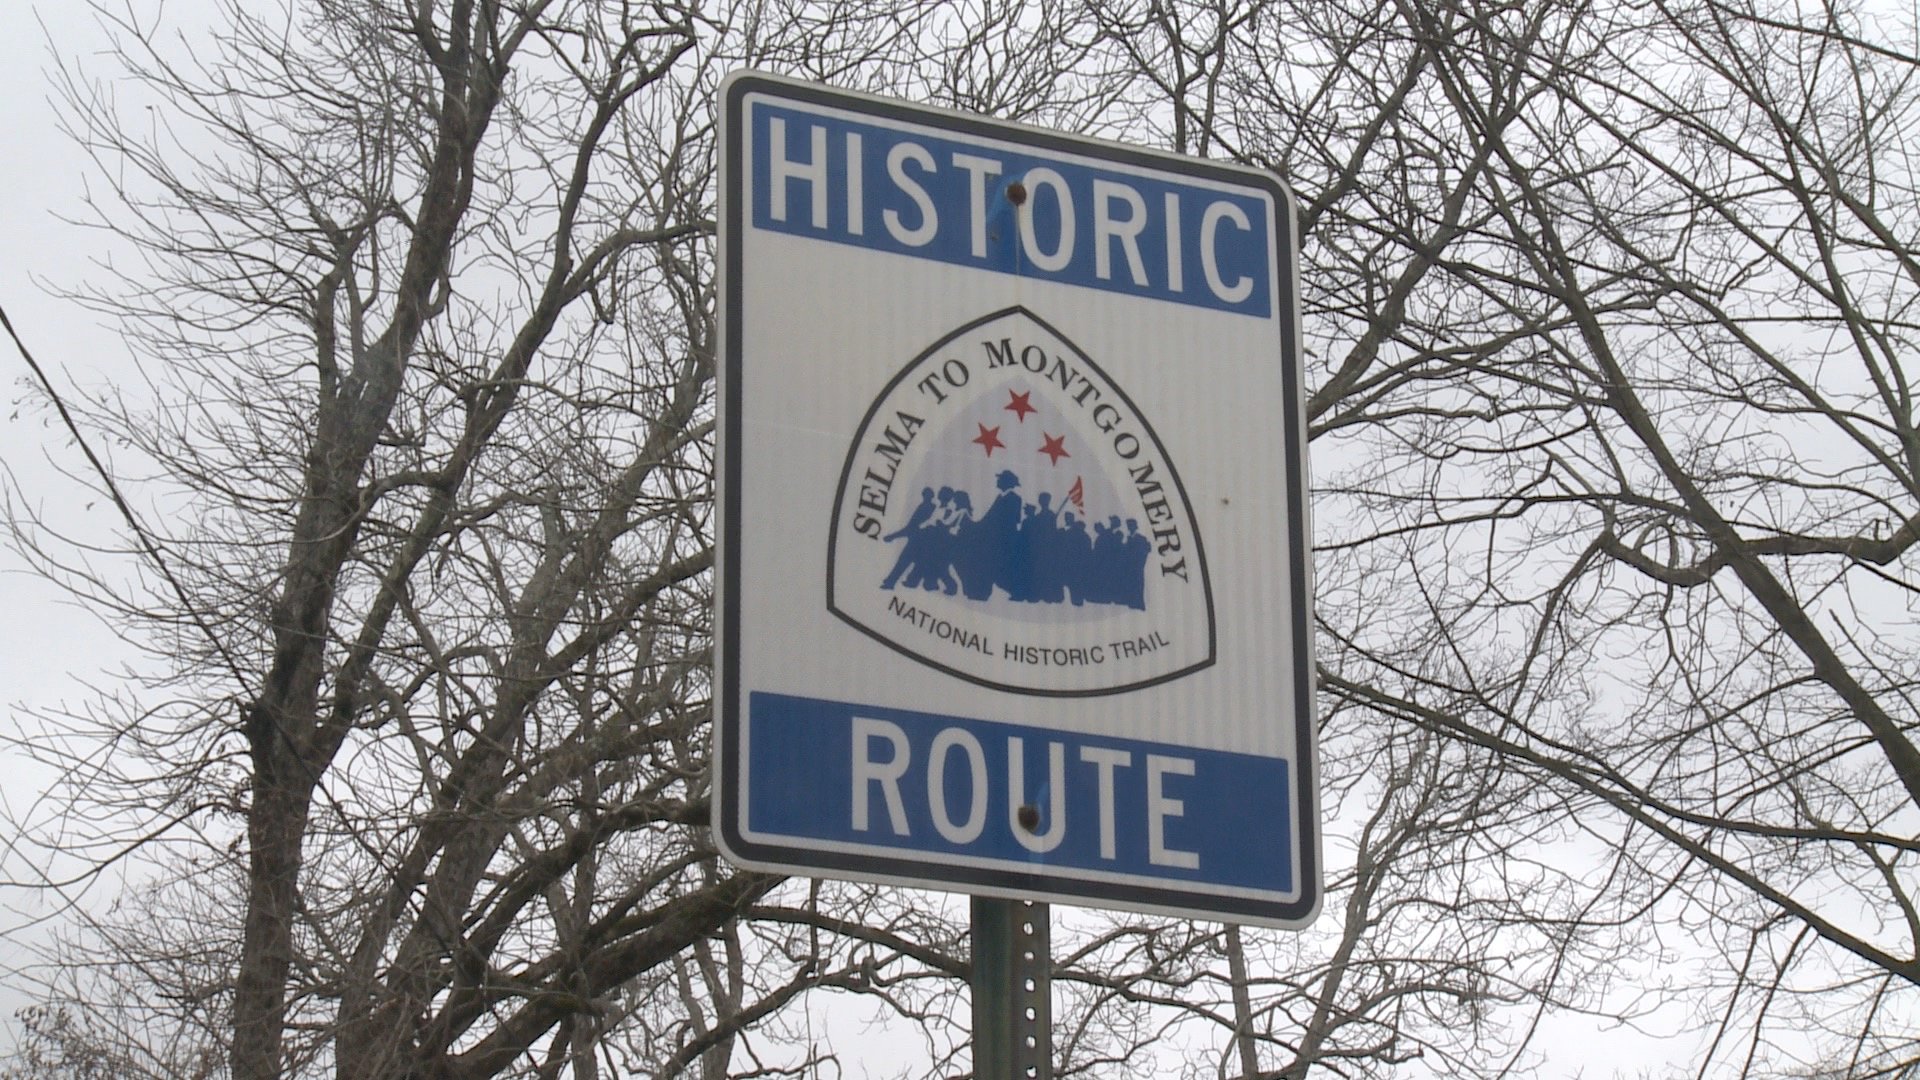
(920, 515)
(1032, 553)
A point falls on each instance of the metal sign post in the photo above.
(1012, 990)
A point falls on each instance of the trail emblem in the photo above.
(1007, 515)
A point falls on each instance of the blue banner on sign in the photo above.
(942, 785)
(946, 199)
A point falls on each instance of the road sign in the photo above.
(1013, 582)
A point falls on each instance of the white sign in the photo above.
(1013, 583)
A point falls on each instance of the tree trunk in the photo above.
(276, 822)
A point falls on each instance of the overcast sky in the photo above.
(47, 645)
(43, 181)
(42, 639)
(49, 648)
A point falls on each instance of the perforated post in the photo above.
(1012, 992)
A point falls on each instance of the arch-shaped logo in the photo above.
(1007, 515)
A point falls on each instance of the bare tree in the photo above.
(426, 295)
(1616, 446)
(1609, 313)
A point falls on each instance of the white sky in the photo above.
(48, 646)
(42, 637)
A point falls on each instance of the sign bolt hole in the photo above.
(1029, 817)
(1016, 193)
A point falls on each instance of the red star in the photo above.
(1019, 405)
(1054, 446)
(989, 439)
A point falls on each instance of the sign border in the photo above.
(1202, 900)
